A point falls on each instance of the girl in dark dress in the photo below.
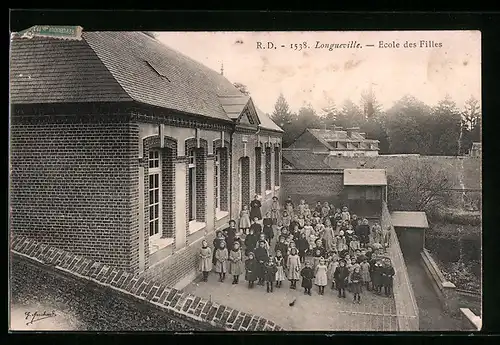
(270, 273)
(307, 275)
(387, 273)
(219, 237)
(250, 270)
(261, 255)
(250, 242)
(302, 246)
(341, 274)
(377, 277)
(356, 282)
(363, 232)
(255, 206)
(257, 228)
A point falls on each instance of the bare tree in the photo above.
(418, 186)
(242, 87)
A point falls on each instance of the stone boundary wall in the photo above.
(170, 300)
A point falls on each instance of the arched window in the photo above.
(155, 195)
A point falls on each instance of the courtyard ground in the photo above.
(309, 313)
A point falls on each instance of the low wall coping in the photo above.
(475, 320)
(166, 298)
(436, 272)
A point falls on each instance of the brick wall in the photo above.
(69, 189)
(313, 186)
(138, 288)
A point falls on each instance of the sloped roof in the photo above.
(365, 177)
(305, 159)
(233, 105)
(405, 219)
(266, 122)
(115, 67)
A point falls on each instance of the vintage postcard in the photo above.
(245, 181)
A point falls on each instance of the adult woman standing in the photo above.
(255, 206)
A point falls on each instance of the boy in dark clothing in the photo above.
(307, 275)
(250, 242)
(318, 207)
(303, 246)
(270, 274)
(262, 258)
(268, 231)
(282, 247)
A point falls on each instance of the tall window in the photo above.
(154, 194)
(217, 179)
(258, 170)
(192, 184)
(268, 168)
(277, 166)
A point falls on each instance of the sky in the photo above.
(448, 63)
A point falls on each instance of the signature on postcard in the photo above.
(33, 317)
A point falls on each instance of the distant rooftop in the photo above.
(406, 219)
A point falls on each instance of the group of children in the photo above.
(339, 248)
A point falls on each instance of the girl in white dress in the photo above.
(321, 277)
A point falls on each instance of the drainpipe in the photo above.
(231, 135)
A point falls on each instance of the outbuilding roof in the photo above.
(117, 66)
(405, 219)
(365, 177)
(305, 159)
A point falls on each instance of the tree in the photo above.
(371, 106)
(308, 118)
(406, 127)
(444, 127)
(284, 118)
(418, 186)
(242, 88)
(329, 113)
(350, 115)
(471, 124)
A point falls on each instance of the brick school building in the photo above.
(130, 153)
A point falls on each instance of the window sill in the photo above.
(268, 192)
(220, 214)
(159, 243)
(195, 226)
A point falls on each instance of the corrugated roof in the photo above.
(405, 219)
(119, 66)
(365, 177)
(305, 159)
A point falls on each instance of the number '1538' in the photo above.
(299, 46)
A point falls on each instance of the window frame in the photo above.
(154, 164)
(217, 174)
(192, 188)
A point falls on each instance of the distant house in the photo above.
(475, 151)
(337, 142)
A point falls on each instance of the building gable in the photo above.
(249, 115)
(309, 141)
